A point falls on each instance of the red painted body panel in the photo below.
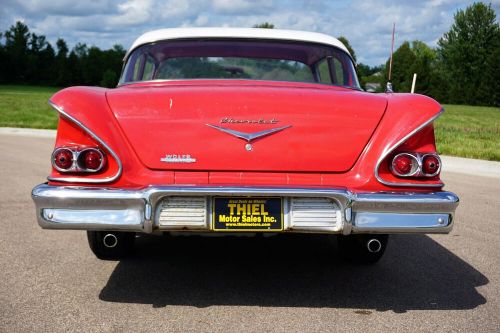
(355, 171)
(329, 127)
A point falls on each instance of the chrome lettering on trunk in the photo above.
(174, 158)
(229, 120)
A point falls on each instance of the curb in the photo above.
(471, 166)
(30, 132)
(453, 164)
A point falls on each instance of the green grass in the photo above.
(469, 131)
(26, 106)
(466, 131)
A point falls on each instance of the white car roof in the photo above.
(291, 35)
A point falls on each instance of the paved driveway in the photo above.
(50, 281)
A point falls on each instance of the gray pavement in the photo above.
(50, 281)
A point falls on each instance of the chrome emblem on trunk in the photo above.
(174, 158)
(260, 121)
(249, 136)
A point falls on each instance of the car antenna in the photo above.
(388, 87)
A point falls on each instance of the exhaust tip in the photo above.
(374, 245)
(110, 240)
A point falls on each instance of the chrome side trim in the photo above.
(95, 137)
(400, 142)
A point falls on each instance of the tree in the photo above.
(265, 25)
(402, 61)
(469, 51)
(63, 75)
(3, 61)
(348, 46)
(109, 79)
(16, 47)
(424, 65)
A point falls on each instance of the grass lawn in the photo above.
(466, 131)
(26, 106)
(469, 131)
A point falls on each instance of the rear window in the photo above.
(240, 59)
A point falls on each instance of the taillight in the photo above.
(415, 165)
(90, 159)
(78, 160)
(404, 165)
(62, 159)
(431, 165)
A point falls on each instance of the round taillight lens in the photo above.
(63, 159)
(430, 165)
(404, 165)
(91, 159)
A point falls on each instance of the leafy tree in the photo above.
(3, 60)
(28, 58)
(367, 74)
(109, 79)
(63, 75)
(46, 65)
(425, 59)
(16, 47)
(402, 61)
(265, 25)
(348, 46)
(469, 52)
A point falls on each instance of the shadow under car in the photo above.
(416, 273)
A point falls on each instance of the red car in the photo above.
(223, 130)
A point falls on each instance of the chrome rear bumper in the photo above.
(87, 208)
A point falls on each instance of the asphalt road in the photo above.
(51, 282)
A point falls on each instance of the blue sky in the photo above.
(367, 24)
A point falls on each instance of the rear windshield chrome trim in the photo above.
(94, 136)
(232, 79)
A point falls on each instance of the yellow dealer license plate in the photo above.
(247, 214)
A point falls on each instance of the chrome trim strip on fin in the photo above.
(249, 136)
(399, 143)
(96, 138)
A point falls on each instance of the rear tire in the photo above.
(111, 245)
(355, 248)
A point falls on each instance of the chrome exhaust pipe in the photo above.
(374, 245)
(110, 240)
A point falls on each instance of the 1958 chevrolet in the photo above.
(222, 130)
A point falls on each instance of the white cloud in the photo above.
(132, 13)
(241, 7)
(367, 24)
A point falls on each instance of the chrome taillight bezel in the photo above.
(414, 170)
(82, 168)
(53, 159)
(418, 158)
(76, 165)
(439, 166)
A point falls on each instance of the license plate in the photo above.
(247, 214)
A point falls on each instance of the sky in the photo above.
(367, 24)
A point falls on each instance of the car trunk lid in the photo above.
(246, 127)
